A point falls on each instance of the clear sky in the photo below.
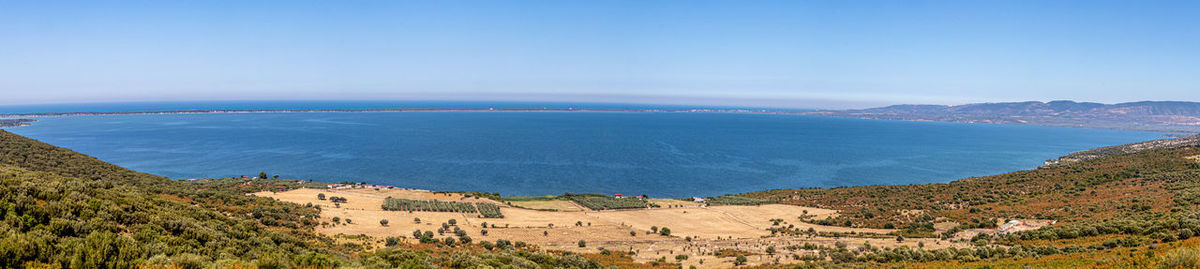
(815, 54)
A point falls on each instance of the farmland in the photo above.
(1143, 202)
(603, 202)
(735, 200)
(488, 210)
(394, 204)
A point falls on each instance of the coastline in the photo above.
(237, 111)
(1172, 131)
(15, 122)
(817, 221)
(557, 113)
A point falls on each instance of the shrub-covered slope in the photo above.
(63, 209)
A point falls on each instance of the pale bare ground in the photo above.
(712, 228)
(560, 205)
(944, 226)
(1025, 225)
(1195, 158)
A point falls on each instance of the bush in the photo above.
(1180, 258)
(740, 260)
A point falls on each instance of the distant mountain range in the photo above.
(1182, 117)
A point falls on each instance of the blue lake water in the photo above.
(537, 153)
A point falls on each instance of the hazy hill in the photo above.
(1148, 115)
(1191, 141)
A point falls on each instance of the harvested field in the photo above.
(710, 228)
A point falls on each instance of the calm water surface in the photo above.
(536, 153)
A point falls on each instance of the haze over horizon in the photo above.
(814, 54)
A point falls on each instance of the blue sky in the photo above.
(814, 54)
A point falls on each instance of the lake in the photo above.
(538, 153)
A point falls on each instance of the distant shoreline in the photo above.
(249, 111)
(21, 119)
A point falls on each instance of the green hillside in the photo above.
(62, 209)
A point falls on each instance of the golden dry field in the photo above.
(696, 231)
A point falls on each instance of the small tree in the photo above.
(740, 260)
(653, 229)
(321, 196)
(464, 239)
(348, 221)
(483, 232)
(262, 175)
(449, 241)
(337, 219)
(392, 241)
(276, 176)
(417, 220)
(899, 238)
(545, 233)
(664, 231)
(771, 250)
(633, 233)
(452, 222)
(582, 244)
(383, 222)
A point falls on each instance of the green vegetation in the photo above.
(488, 210)
(603, 202)
(485, 210)
(734, 200)
(62, 209)
(1146, 200)
(394, 204)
